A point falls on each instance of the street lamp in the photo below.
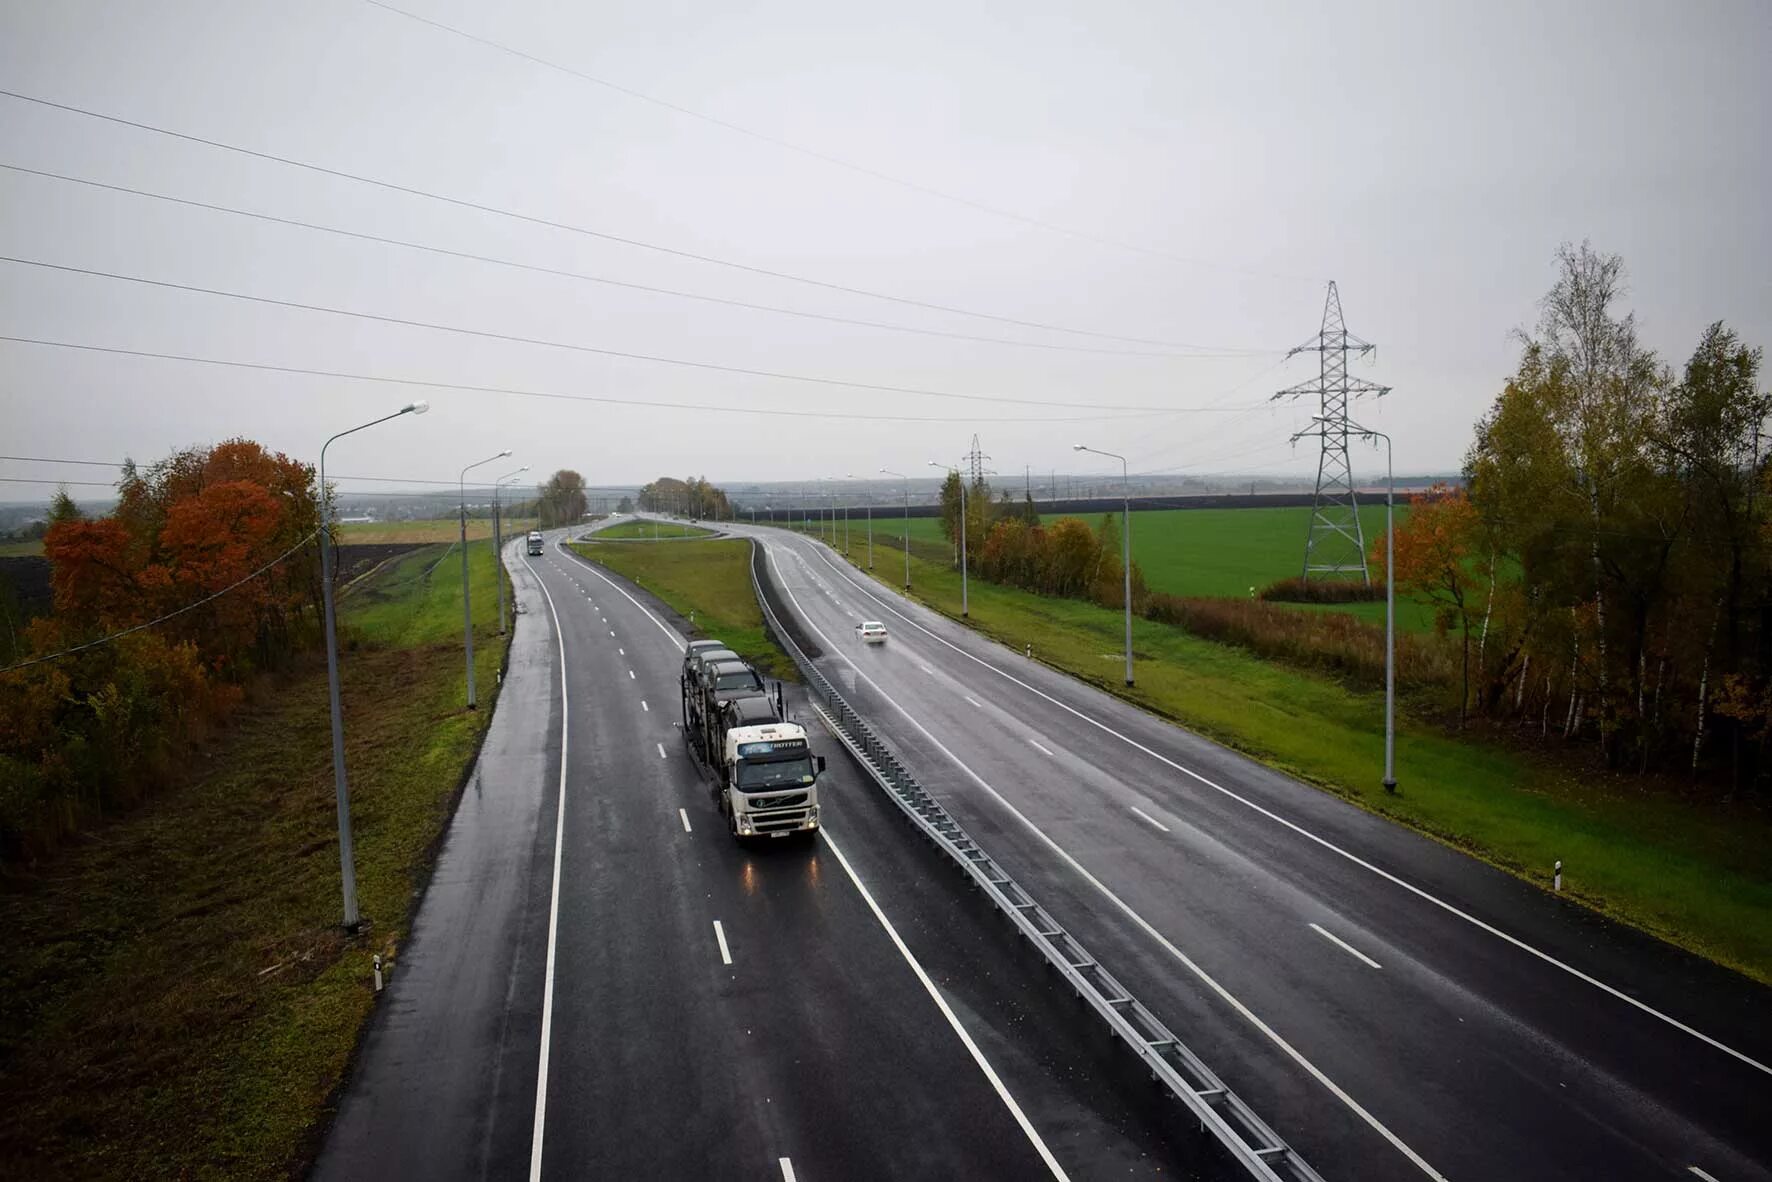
(964, 605)
(845, 518)
(1390, 600)
(870, 528)
(907, 523)
(1126, 541)
(347, 861)
(498, 541)
(467, 610)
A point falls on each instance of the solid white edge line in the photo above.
(1450, 908)
(684, 813)
(1148, 817)
(547, 991)
(1344, 945)
(787, 1170)
(1705, 1174)
(1126, 909)
(984, 1065)
(720, 935)
(1039, 748)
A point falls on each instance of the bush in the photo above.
(1298, 590)
(1331, 641)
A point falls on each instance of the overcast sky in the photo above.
(1428, 157)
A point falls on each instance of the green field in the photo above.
(711, 579)
(1693, 874)
(1203, 552)
(366, 533)
(652, 529)
(21, 549)
(176, 997)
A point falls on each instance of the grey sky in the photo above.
(1428, 158)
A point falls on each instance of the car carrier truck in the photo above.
(764, 774)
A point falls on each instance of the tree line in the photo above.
(694, 498)
(1607, 569)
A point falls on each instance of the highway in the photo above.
(601, 983)
(1395, 1009)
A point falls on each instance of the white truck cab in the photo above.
(536, 543)
(770, 781)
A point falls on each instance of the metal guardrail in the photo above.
(1243, 1135)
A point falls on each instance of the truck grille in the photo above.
(792, 800)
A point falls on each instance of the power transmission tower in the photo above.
(975, 463)
(1335, 545)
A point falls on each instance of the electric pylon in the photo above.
(975, 463)
(1335, 545)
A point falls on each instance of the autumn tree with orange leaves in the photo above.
(1436, 546)
(103, 724)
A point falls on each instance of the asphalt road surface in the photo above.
(601, 983)
(1394, 1009)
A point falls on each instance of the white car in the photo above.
(871, 631)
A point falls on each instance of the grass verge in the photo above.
(375, 533)
(645, 530)
(176, 998)
(711, 580)
(1695, 874)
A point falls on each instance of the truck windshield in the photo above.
(774, 773)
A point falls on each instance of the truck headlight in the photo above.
(744, 824)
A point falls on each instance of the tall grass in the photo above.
(1332, 642)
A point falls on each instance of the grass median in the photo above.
(1694, 873)
(179, 1000)
(652, 529)
(712, 580)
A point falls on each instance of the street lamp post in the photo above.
(1126, 543)
(467, 609)
(907, 523)
(498, 540)
(870, 528)
(347, 861)
(965, 611)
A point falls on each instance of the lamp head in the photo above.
(415, 408)
(1078, 447)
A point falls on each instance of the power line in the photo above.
(513, 338)
(838, 161)
(1193, 351)
(79, 648)
(120, 463)
(570, 228)
(557, 396)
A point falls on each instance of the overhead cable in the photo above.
(1192, 351)
(556, 395)
(570, 228)
(839, 162)
(625, 355)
